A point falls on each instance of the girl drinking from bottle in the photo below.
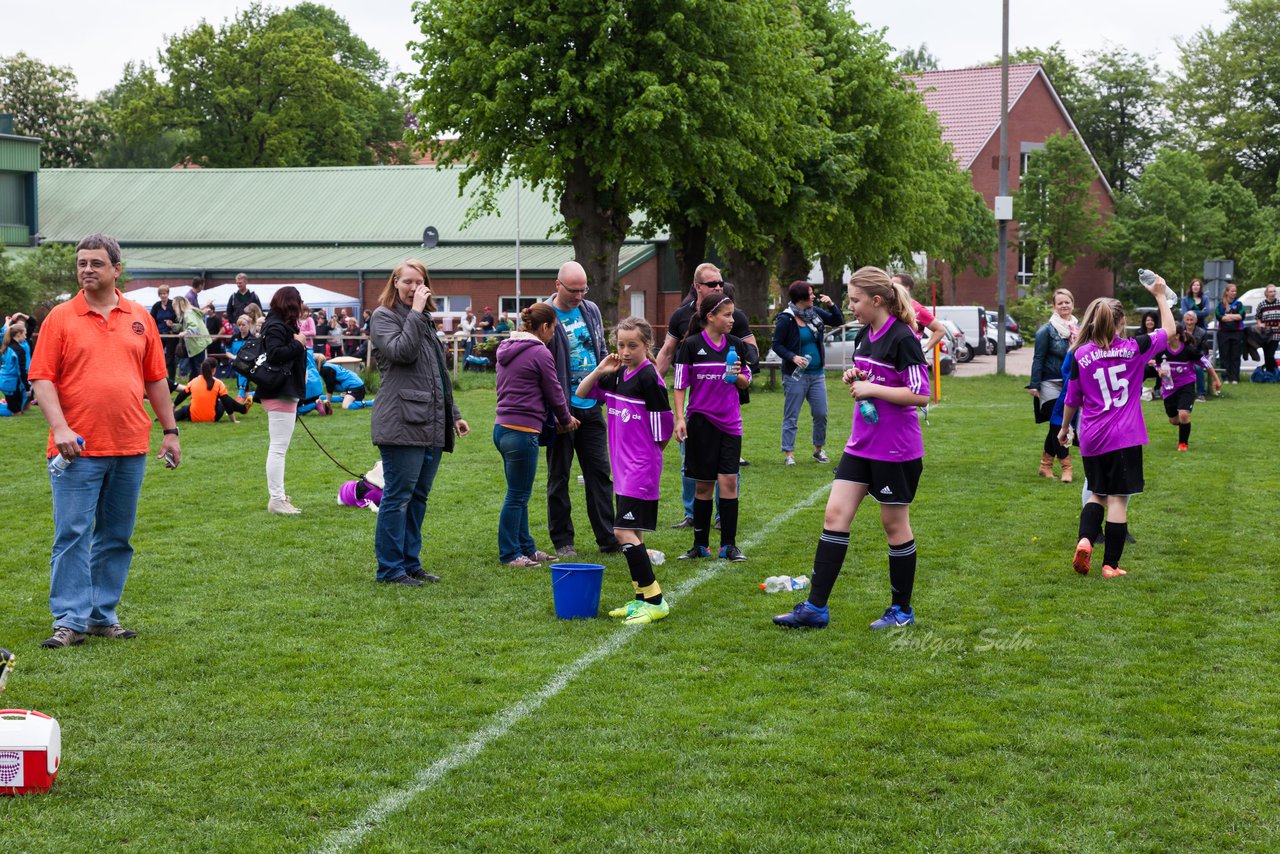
(710, 368)
(1104, 376)
(640, 424)
(883, 458)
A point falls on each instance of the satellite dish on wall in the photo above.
(430, 237)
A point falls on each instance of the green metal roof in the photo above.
(457, 261)
(248, 207)
(19, 153)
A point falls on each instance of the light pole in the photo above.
(517, 249)
(1004, 205)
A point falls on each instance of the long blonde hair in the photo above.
(1102, 324)
(875, 282)
(388, 298)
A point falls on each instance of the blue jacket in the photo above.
(560, 343)
(13, 368)
(786, 334)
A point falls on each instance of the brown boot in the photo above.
(1066, 469)
(1046, 465)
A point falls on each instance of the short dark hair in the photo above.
(907, 280)
(799, 290)
(104, 242)
(287, 303)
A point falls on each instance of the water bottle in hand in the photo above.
(1147, 277)
(867, 409)
(59, 463)
(730, 360)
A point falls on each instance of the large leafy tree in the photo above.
(1058, 216)
(612, 109)
(267, 88)
(1225, 95)
(136, 108)
(1168, 221)
(1119, 111)
(43, 102)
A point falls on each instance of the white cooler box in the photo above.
(30, 752)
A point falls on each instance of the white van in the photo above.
(972, 320)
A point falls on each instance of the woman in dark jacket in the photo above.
(284, 347)
(414, 418)
(798, 341)
(166, 318)
(1053, 341)
(528, 389)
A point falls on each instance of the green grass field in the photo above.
(278, 699)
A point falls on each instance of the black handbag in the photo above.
(251, 362)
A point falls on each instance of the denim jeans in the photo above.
(408, 472)
(796, 389)
(95, 502)
(520, 462)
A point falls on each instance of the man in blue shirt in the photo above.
(578, 346)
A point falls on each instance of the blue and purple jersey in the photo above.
(639, 418)
(1180, 367)
(1104, 387)
(700, 368)
(891, 357)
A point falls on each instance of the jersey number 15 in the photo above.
(1114, 386)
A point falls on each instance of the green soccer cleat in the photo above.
(646, 612)
(628, 609)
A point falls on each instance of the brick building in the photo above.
(967, 104)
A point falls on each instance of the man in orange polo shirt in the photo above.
(98, 354)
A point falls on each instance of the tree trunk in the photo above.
(794, 266)
(690, 249)
(832, 277)
(598, 221)
(750, 275)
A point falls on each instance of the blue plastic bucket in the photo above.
(575, 587)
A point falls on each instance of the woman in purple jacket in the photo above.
(528, 390)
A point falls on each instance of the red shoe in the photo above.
(1112, 572)
(1084, 552)
(1182, 446)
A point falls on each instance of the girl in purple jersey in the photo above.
(640, 425)
(1106, 369)
(883, 457)
(709, 378)
(1177, 369)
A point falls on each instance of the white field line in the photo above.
(504, 720)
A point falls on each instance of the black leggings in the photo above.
(15, 400)
(226, 403)
(1052, 446)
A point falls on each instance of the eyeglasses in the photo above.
(581, 290)
(715, 284)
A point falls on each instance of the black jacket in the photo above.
(282, 349)
(786, 334)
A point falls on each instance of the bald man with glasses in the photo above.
(578, 346)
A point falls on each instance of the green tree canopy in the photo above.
(1057, 213)
(1119, 111)
(267, 88)
(1225, 96)
(917, 59)
(43, 102)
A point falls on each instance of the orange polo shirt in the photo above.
(100, 367)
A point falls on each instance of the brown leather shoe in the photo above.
(115, 632)
(63, 636)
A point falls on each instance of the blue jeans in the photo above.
(1201, 383)
(95, 502)
(520, 462)
(796, 389)
(408, 472)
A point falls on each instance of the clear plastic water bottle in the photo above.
(867, 409)
(1147, 277)
(779, 583)
(59, 463)
(730, 359)
(656, 557)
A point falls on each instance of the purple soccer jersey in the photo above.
(639, 417)
(1180, 368)
(1104, 388)
(890, 358)
(700, 368)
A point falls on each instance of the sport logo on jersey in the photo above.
(625, 414)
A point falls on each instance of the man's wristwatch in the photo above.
(172, 431)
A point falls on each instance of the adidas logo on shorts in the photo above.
(886, 491)
(628, 518)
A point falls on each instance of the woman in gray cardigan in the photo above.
(414, 418)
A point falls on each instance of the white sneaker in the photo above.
(282, 508)
(789, 461)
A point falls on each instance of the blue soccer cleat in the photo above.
(804, 616)
(894, 617)
(696, 553)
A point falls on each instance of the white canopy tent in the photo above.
(313, 296)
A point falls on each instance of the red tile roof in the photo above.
(967, 103)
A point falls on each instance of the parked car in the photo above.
(963, 350)
(840, 344)
(970, 319)
(1013, 338)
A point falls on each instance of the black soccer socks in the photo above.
(827, 560)
(902, 572)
